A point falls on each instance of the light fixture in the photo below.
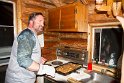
(99, 2)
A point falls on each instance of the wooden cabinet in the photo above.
(69, 18)
(54, 19)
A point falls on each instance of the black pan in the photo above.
(77, 66)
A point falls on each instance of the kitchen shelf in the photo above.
(5, 55)
(4, 61)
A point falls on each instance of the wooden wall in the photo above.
(54, 40)
(51, 42)
(24, 9)
(95, 16)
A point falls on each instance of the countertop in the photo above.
(59, 78)
(79, 75)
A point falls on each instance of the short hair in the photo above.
(33, 15)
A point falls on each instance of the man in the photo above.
(25, 59)
(121, 19)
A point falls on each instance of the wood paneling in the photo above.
(95, 16)
(76, 40)
(26, 7)
(54, 40)
(49, 53)
(51, 42)
(76, 43)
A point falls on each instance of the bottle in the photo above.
(89, 66)
(112, 60)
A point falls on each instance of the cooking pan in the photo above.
(67, 68)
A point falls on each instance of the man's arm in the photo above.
(34, 66)
(26, 43)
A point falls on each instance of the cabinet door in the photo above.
(68, 18)
(54, 19)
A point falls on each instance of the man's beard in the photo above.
(40, 31)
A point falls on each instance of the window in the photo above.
(107, 45)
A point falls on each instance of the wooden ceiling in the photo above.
(58, 3)
(94, 15)
(107, 5)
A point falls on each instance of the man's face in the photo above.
(38, 23)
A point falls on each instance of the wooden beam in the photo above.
(29, 5)
(109, 3)
(105, 24)
(37, 3)
(19, 16)
(107, 7)
(69, 1)
(123, 7)
(84, 1)
(103, 8)
(48, 3)
(57, 3)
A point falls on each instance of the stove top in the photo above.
(57, 62)
(65, 55)
(62, 78)
(62, 59)
(73, 54)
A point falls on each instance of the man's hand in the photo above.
(43, 60)
(50, 70)
(45, 69)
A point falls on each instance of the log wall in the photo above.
(54, 40)
(24, 9)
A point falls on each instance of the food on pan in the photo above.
(67, 68)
